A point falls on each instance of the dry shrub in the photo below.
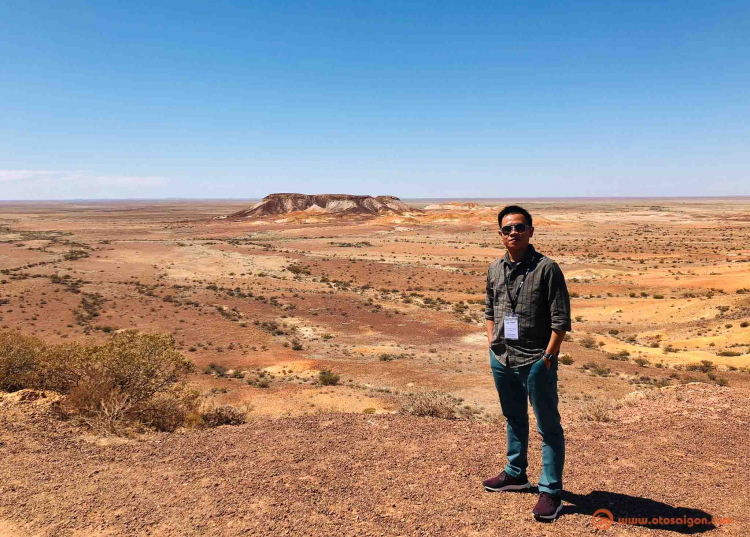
(169, 410)
(97, 404)
(434, 404)
(133, 377)
(597, 410)
(20, 357)
(224, 415)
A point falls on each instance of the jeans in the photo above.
(539, 384)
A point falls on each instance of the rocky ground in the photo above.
(674, 452)
(394, 305)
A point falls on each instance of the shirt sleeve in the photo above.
(489, 300)
(558, 299)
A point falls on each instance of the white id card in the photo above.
(510, 324)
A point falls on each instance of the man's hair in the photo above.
(514, 209)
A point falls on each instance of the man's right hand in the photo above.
(490, 331)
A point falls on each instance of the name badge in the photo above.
(510, 324)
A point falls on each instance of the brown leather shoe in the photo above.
(506, 482)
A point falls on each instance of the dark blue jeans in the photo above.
(539, 385)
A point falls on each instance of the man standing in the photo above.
(527, 312)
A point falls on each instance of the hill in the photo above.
(276, 204)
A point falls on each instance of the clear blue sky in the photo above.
(415, 99)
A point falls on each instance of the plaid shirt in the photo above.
(543, 304)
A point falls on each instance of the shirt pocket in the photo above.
(501, 295)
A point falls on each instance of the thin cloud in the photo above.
(76, 184)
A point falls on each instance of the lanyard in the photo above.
(514, 301)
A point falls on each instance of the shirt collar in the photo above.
(527, 256)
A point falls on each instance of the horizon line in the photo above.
(523, 198)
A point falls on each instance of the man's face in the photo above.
(516, 241)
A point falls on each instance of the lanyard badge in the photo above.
(511, 328)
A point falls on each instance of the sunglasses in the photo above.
(519, 228)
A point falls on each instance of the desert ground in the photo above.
(654, 380)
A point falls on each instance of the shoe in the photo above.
(506, 482)
(548, 507)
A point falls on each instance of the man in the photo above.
(527, 312)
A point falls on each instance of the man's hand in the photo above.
(490, 331)
(553, 348)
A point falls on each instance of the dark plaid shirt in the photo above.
(543, 304)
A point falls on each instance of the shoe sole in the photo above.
(526, 486)
(552, 516)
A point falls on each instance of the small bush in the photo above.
(596, 369)
(689, 379)
(172, 409)
(431, 404)
(588, 342)
(566, 360)
(598, 410)
(620, 355)
(223, 415)
(705, 366)
(642, 362)
(328, 378)
(215, 369)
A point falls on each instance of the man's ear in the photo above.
(531, 231)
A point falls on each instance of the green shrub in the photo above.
(704, 367)
(588, 342)
(596, 369)
(328, 378)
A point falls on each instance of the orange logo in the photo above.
(602, 519)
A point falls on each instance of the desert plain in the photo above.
(654, 377)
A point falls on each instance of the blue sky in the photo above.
(229, 99)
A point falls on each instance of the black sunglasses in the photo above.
(519, 228)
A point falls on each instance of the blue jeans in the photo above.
(539, 385)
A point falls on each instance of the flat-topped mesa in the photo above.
(275, 204)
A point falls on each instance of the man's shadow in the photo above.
(637, 510)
